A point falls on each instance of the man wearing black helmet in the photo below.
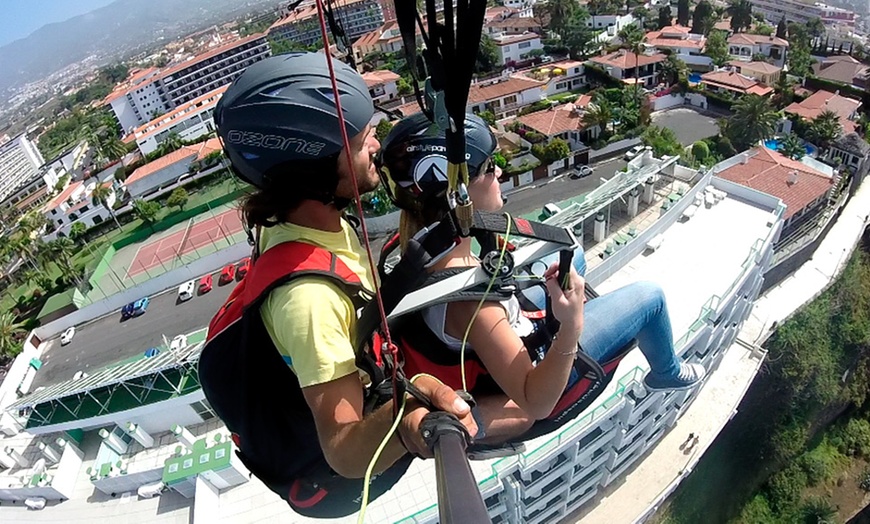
(280, 129)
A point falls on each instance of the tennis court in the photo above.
(162, 252)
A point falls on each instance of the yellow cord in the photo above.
(380, 449)
(507, 235)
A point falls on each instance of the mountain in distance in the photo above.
(108, 32)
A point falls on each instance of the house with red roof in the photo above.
(732, 83)
(804, 186)
(382, 84)
(564, 122)
(75, 205)
(559, 77)
(621, 65)
(168, 169)
(819, 102)
(504, 96)
(745, 46)
(681, 42)
(513, 49)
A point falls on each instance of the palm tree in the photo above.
(62, 249)
(825, 128)
(673, 68)
(754, 120)
(10, 332)
(741, 15)
(792, 147)
(111, 148)
(598, 114)
(560, 12)
(100, 196)
(632, 38)
(172, 142)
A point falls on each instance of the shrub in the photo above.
(757, 512)
(853, 438)
(816, 510)
(784, 488)
(700, 150)
(821, 463)
(725, 148)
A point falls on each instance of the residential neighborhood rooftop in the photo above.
(750, 39)
(822, 101)
(734, 81)
(623, 59)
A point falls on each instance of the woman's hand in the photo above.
(567, 304)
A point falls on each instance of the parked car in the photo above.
(205, 284)
(67, 336)
(134, 309)
(185, 291)
(633, 152)
(179, 342)
(550, 210)
(227, 274)
(580, 172)
(243, 268)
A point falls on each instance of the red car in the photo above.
(227, 274)
(205, 284)
(243, 268)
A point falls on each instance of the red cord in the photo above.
(386, 330)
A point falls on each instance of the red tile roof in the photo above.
(755, 67)
(512, 85)
(623, 59)
(555, 121)
(735, 82)
(380, 77)
(844, 69)
(749, 39)
(63, 196)
(674, 36)
(768, 171)
(825, 100)
(185, 154)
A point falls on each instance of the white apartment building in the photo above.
(516, 48)
(301, 25)
(610, 23)
(621, 65)
(150, 93)
(189, 121)
(20, 160)
(560, 77)
(74, 204)
(685, 45)
(37, 189)
(800, 12)
(384, 39)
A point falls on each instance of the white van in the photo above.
(551, 209)
(185, 291)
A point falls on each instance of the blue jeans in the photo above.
(637, 310)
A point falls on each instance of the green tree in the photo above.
(662, 140)
(741, 15)
(700, 150)
(665, 16)
(10, 333)
(717, 48)
(577, 36)
(560, 12)
(178, 198)
(815, 27)
(598, 114)
(100, 195)
(754, 120)
(172, 142)
(703, 18)
(147, 211)
(817, 510)
(632, 38)
(799, 59)
(487, 56)
(683, 13)
(825, 128)
(763, 30)
(673, 69)
(383, 129)
(556, 150)
(782, 28)
(792, 147)
(77, 230)
(488, 117)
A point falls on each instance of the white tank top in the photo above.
(436, 316)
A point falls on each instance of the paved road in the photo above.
(544, 191)
(688, 124)
(108, 340)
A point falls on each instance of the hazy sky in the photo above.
(22, 17)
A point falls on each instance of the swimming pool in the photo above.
(776, 145)
(695, 78)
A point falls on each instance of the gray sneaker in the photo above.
(687, 378)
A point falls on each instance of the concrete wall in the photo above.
(168, 280)
(667, 101)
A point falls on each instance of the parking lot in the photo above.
(108, 340)
(688, 124)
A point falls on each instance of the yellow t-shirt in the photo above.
(310, 320)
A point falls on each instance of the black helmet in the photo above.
(282, 109)
(412, 162)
